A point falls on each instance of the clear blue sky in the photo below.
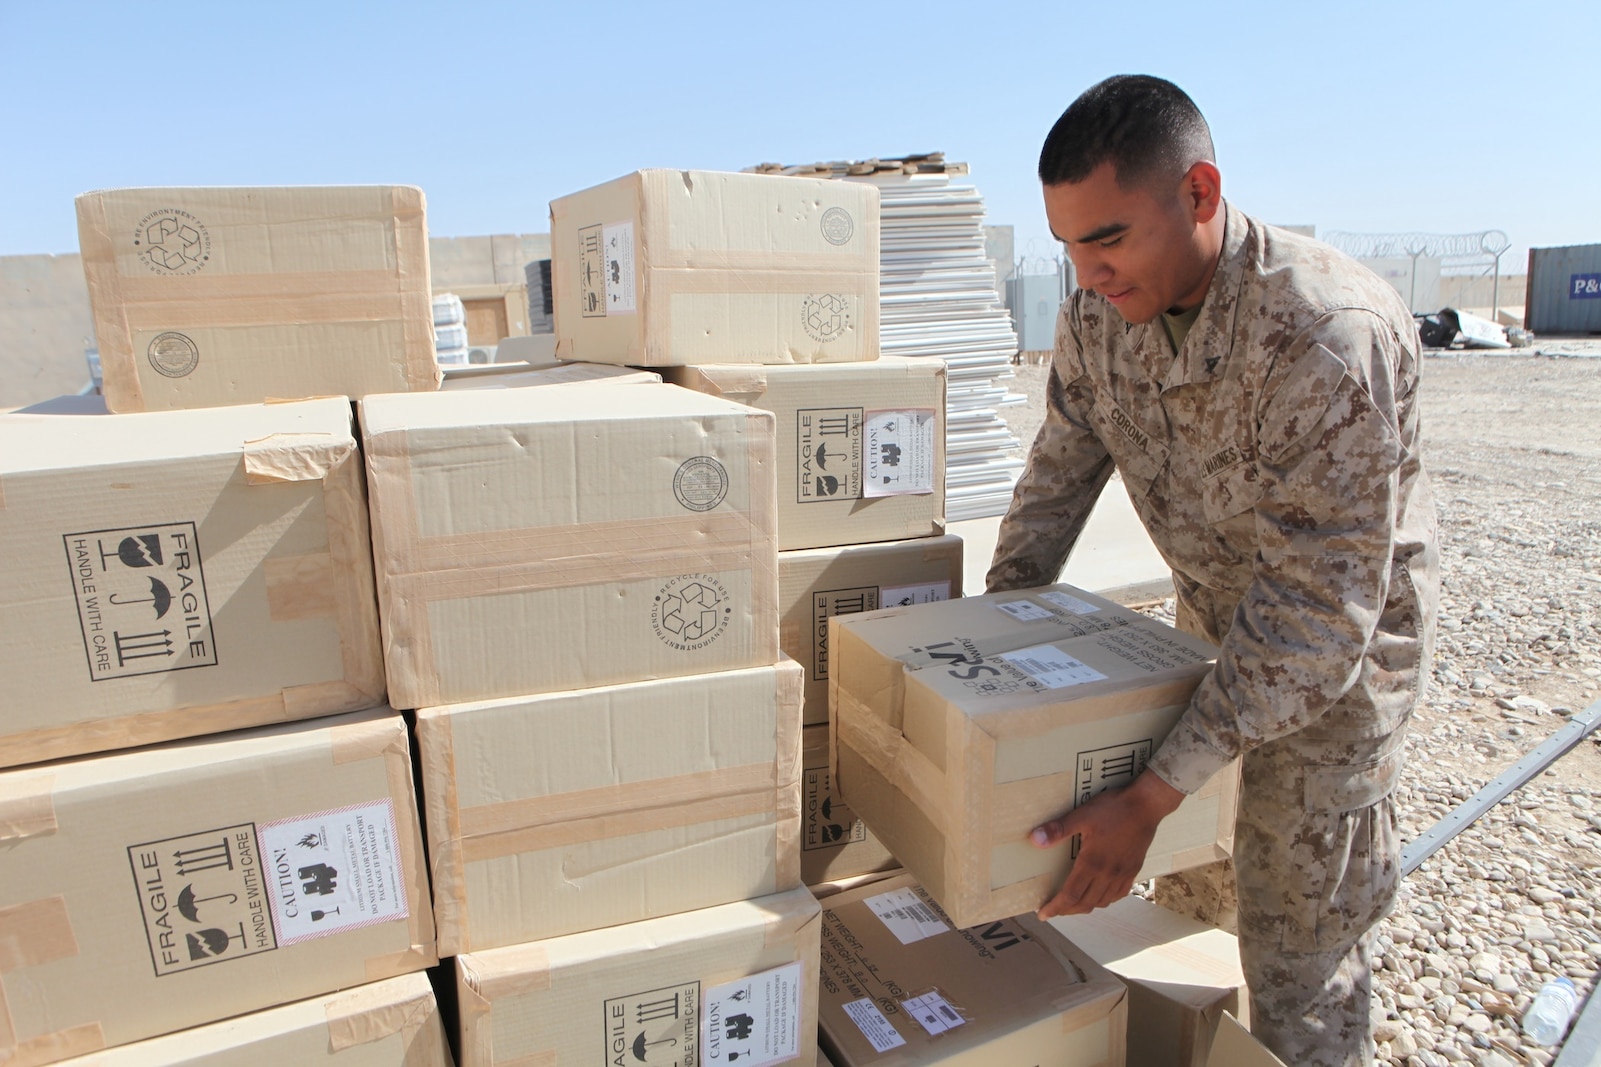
(1442, 117)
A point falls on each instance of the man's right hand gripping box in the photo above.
(960, 726)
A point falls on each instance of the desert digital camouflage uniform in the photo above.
(1275, 461)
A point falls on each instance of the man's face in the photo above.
(1136, 246)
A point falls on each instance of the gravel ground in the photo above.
(1513, 444)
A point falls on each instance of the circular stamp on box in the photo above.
(691, 611)
(701, 483)
(173, 354)
(171, 241)
(838, 226)
(825, 316)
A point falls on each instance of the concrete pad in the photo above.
(1114, 556)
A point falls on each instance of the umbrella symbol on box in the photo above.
(823, 457)
(160, 597)
(640, 1045)
(189, 904)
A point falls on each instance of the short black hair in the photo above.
(1146, 127)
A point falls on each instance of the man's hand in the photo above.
(1116, 827)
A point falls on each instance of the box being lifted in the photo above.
(835, 844)
(205, 297)
(540, 540)
(393, 1023)
(901, 985)
(180, 573)
(666, 267)
(735, 985)
(555, 814)
(861, 446)
(151, 891)
(960, 726)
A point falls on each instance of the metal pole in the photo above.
(1495, 291)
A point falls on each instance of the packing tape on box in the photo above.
(370, 1013)
(789, 694)
(407, 960)
(344, 501)
(542, 1058)
(294, 457)
(300, 587)
(48, 1048)
(885, 748)
(34, 932)
(409, 205)
(532, 975)
(130, 731)
(27, 805)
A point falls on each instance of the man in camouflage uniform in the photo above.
(1272, 453)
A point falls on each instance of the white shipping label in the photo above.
(334, 870)
(1024, 611)
(617, 242)
(754, 1021)
(906, 916)
(1051, 667)
(1068, 602)
(933, 1012)
(898, 452)
(871, 1022)
(904, 596)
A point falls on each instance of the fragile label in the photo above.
(334, 870)
(1051, 667)
(899, 453)
(828, 450)
(617, 243)
(657, 1028)
(871, 1022)
(1068, 602)
(754, 1021)
(204, 898)
(933, 1012)
(592, 272)
(1111, 767)
(142, 605)
(1024, 611)
(829, 823)
(904, 596)
(906, 915)
(825, 605)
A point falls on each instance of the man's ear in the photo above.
(1202, 188)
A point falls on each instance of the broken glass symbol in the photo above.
(827, 485)
(140, 550)
(212, 942)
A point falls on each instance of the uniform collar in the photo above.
(1205, 353)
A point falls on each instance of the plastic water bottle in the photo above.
(1547, 1018)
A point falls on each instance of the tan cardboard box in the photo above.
(861, 446)
(823, 1060)
(204, 297)
(1235, 1047)
(901, 985)
(816, 584)
(834, 886)
(520, 375)
(180, 573)
(960, 726)
(556, 814)
(834, 843)
(541, 540)
(1182, 976)
(164, 888)
(734, 984)
(392, 1023)
(665, 267)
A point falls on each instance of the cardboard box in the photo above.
(816, 584)
(901, 985)
(204, 297)
(834, 886)
(961, 726)
(520, 375)
(666, 267)
(823, 1060)
(1235, 1047)
(735, 984)
(1182, 977)
(541, 540)
(834, 842)
(181, 573)
(154, 890)
(384, 1024)
(555, 814)
(861, 446)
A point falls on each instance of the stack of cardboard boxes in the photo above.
(177, 570)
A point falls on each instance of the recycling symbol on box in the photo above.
(691, 611)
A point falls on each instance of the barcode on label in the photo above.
(1068, 602)
(1051, 667)
(871, 1022)
(933, 1013)
(907, 917)
(1023, 610)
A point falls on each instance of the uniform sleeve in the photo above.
(1329, 453)
(1066, 471)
